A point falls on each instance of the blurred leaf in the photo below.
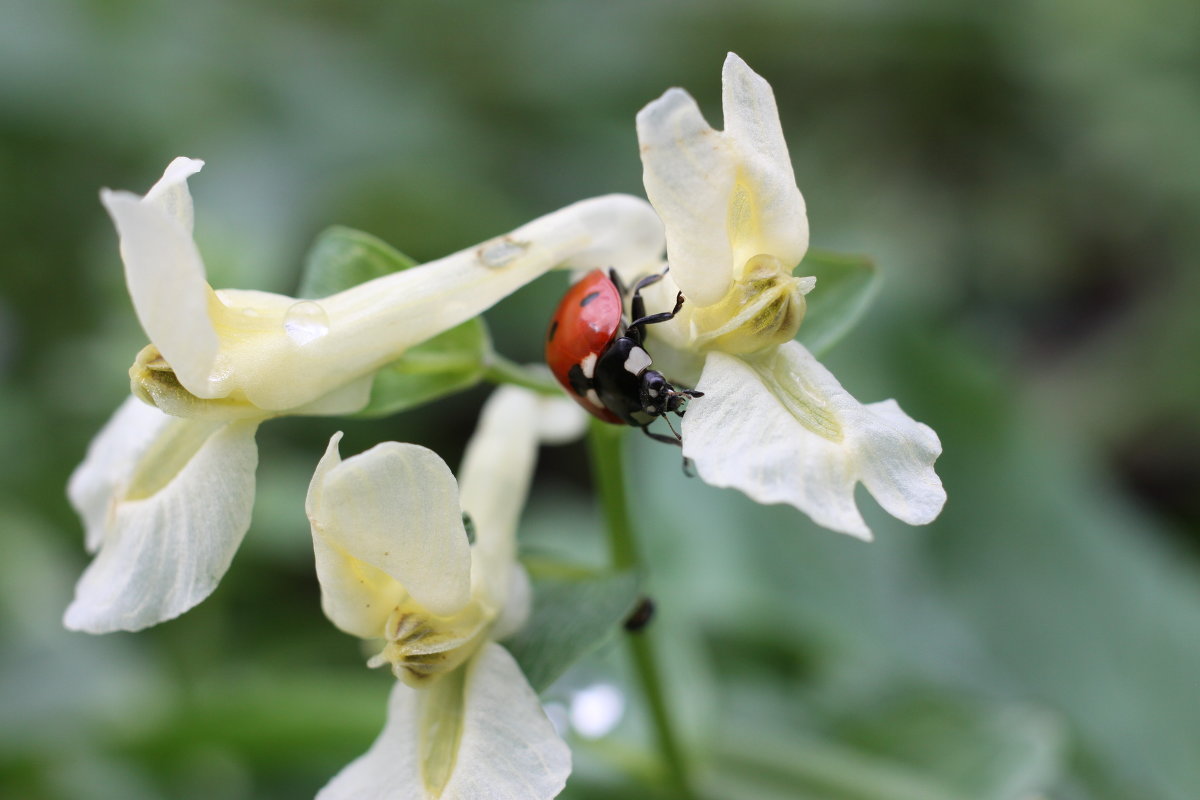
(343, 257)
(1080, 595)
(846, 286)
(574, 610)
(975, 750)
(271, 716)
(923, 746)
(807, 768)
(449, 362)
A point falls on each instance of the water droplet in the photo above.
(220, 372)
(305, 322)
(222, 367)
(501, 252)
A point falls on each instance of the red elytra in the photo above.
(601, 361)
(587, 321)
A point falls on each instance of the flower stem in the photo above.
(500, 370)
(605, 447)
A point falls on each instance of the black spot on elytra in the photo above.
(587, 298)
(553, 330)
(579, 382)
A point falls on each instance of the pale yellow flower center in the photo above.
(763, 308)
(421, 647)
(153, 381)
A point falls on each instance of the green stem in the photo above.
(500, 370)
(604, 446)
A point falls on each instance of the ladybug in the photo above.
(600, 360)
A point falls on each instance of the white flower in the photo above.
(396, 563)
(773, 422)
(165, 499)
(238, 353)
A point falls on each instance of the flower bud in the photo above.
(153, 381)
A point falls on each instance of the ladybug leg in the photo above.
(637, 308)
(616, 280)
(641, 320)
(662, 437)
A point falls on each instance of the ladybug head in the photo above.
(656, 393)
(660, 397)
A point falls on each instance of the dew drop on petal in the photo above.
(222, 369)
(305, 322)
(596, 710)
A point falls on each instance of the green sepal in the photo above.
(846, 286)
(449, 362)
(575, 609)
(343, 257)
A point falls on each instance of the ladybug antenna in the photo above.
(678, 438)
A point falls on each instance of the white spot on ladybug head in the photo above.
(594, 398)
(637, 361)
(588, 365)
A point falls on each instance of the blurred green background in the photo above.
(1026, 175)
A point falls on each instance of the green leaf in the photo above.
(574, 610)
(343, 257)
(449, 362)
(846, 285)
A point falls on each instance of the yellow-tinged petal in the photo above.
(480, 734)
(690, 172)
(391, 511)
(767, 214)
(167, 502)
(165, 276)
(726, 197)
(780, 428)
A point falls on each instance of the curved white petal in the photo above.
(623, 231)
(97, 484)
(780, 428)
(518, 604)
(171, 193)
(165, 276)
(689, 171)
(506, 747)
(393, 509)
(494, 482)
(355, 596)
(172, 524)
(767, 214)
(560, 421)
